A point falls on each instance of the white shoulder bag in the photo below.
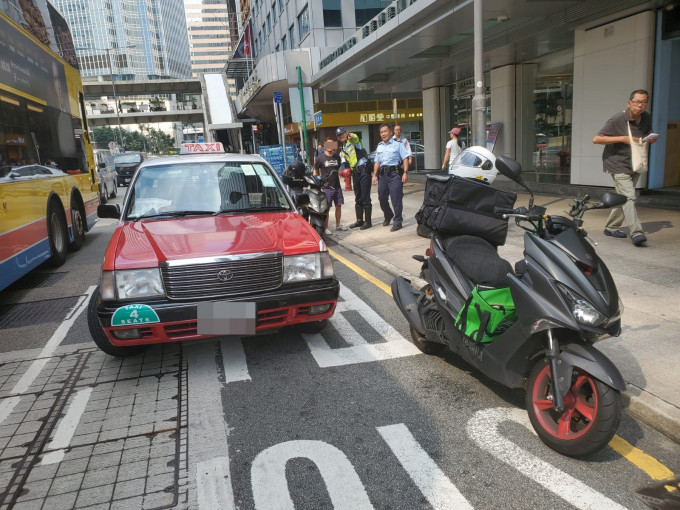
(638, 154)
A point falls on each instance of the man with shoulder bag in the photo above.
(626, 137)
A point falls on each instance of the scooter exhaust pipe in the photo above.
(407, 298)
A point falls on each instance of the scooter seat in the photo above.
(478, 260)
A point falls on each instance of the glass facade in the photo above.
(303, 23)
(366, 10)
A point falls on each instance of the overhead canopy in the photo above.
(143, 87)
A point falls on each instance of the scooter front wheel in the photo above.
(320, 231)
(591, 414)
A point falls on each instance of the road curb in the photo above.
(640, 404)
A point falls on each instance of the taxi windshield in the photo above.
(188, 188)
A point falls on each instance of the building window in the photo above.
(332, 15)
(291, 36)
(283, 43)
(366, 10)
(303, 23)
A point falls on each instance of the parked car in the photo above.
(127, 164)
(208, 244)
(108, 177)
(418, 153)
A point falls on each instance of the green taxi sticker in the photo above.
(129, 315)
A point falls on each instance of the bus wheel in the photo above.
(78, 225)
(57, 233)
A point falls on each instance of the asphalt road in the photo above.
(354, 417)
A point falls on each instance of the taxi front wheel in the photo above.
(99, 336)
(312, 327)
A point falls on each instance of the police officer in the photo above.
(389, 176)
(355, 158)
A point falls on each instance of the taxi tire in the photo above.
(99, 336)
(57, 234)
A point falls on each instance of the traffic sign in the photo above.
(278, 97)
(317, 118)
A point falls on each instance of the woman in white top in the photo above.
(453, 148)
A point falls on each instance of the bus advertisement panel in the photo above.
(48, 180)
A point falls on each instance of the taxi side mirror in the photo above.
(108, 211)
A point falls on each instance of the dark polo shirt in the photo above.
(616, 156)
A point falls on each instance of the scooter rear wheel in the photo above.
(420, 341)
(591, 415)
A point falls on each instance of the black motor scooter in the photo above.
(306, 192)
(565, 301)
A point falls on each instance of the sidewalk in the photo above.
(647, 278)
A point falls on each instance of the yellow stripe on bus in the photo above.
(22, 94)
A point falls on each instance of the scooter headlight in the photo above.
(582, 310)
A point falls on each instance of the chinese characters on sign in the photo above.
(382, 117)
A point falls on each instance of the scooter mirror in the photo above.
(610, 199)
(509, 168)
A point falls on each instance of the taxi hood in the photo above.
(146, 243)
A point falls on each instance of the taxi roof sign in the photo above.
(202, 148)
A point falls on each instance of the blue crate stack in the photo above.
(274, 155)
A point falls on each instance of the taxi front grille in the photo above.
(226, 277)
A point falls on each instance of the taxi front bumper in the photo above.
(178, 321)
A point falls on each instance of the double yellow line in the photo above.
(652, 467)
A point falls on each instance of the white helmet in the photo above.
(475, 162)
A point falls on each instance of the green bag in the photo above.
(487, 313)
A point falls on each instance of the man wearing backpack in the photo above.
(355, 158)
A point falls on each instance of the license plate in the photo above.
(227, 318)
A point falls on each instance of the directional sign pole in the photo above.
(303, 126)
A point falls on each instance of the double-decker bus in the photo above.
(48, 180)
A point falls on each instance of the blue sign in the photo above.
(278, 97)
(317, 118)
(201, 140)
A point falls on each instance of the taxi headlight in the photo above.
(582, 310)
(311, 266)
(133, 284)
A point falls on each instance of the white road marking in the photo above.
(483, 429)
(39, 363)
(209, 449)
(7, 406)
(234, 360)
(213, 484)
(395, 345)
(67, 427)
(437, 488)
(270, 486)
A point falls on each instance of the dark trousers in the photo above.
(361, 182)
(391, 187)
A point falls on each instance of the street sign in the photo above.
(317, 118)
(278, 97)
(295, 110)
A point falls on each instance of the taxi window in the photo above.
(204, 188)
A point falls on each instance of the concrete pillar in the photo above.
(434, 126)
(503, 109)
(525, 118)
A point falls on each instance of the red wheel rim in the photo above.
(580, 406)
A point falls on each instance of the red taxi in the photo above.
(208, 244)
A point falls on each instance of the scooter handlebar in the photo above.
(503, 210)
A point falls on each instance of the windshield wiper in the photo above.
(253, 209)
(176, 214)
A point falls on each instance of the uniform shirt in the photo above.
(328, 167)
(348, 152)
(406, 145)
(616, 156)
(391, 153)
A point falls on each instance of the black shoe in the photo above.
(367, 224)
(356, 224)
(386, 222)
(395, 227)
(615, 233)
(639, 240)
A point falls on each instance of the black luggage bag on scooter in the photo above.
(463, 206)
